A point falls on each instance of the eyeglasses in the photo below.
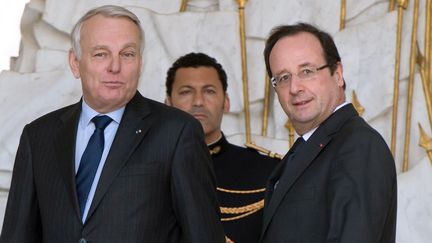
(305, 73)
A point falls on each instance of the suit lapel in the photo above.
(304, 157)
(135, 124)
(65, 150)
(295, 168)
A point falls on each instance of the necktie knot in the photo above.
(101, 122)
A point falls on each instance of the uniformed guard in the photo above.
(197, 84)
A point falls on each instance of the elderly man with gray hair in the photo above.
(115, 166)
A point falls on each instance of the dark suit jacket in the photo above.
(157, 184)
(339, 187)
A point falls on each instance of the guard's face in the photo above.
(110, 62)
(309, 101)
(199, 92)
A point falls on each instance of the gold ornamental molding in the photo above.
(403, 3)
(408, 118)
(427, 95)
(428, 43)
(342, 15)
(241, 6)
(183, 5)
(356, 103)
(401, 7)
(266, 106)
(391, 5)
(425, 142)
(291, 132)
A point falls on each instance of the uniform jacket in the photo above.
(241, 169)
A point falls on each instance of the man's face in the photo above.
(110, 63)
(310, 101)
(199, 92)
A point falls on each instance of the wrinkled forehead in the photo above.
(101, 22)
(101, 26)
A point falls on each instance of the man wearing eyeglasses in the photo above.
(338, 182)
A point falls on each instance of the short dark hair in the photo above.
(330, 51)
(195, 60)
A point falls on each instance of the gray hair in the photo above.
(106, 11)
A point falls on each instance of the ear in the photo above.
(226, 106)
(74, 63)
(141, 62)
(168, 101)
(339, 74)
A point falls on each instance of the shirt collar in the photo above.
(307, 135)
(88, 113)
(340, 106)
(216, 141)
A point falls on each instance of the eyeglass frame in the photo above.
(273, 79)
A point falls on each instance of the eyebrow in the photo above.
(305, 64)
(133, 45)
(100, 47)
(191, 87)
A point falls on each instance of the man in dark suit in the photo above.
(142, 175)
(339, 184)
(197, 83)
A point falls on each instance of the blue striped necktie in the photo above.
(90, 160)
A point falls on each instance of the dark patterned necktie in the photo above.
(291, 154)
(90, 160)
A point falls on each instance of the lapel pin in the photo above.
(138, 131)
(321, 145)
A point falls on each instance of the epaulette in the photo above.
(264, 151)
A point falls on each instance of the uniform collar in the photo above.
(218, 146)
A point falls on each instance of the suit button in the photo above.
(82, 240)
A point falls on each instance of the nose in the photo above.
(115, 65)
(198, 99)
(296, 85)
